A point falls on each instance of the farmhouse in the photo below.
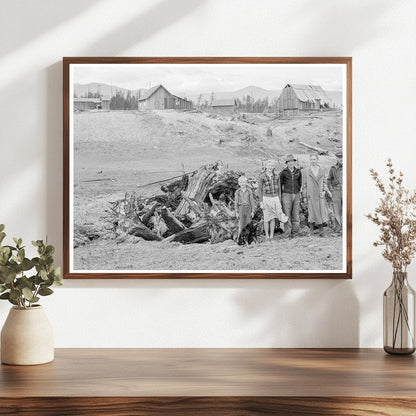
(299, 97)
(226, 105)
(159, 98)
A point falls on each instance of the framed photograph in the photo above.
(207, 167)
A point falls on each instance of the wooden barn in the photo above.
(224, 105)
(84, 104)
(159, 98)
(299, 97)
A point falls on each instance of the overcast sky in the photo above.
(189, 79)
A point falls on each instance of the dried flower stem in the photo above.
(396, 217)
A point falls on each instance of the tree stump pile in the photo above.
(197, 208)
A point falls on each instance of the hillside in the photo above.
(128, 151)
(252, 91)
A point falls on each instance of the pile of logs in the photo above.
(196, 208)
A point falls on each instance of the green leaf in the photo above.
(21, 255)
(57, 276)
(16, 241)
(38, 280)
(45, 291)
(37, 243)
(41, 249)
(24, 282)
(13, 302)
(2, 236)
(3, 259)
(26, 264)
(43, 274)
(27, 293)
(48, 260)
(5, 250)
(2, 227)
(9, 277)
(15, 294)
(49, 250)
(5, 295)
(2, 288)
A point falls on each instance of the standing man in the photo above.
(291, 185)
(268, 192)
(335, 186)
(314, 190)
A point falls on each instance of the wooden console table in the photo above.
(212, 382)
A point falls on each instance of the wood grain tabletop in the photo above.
(214, 378)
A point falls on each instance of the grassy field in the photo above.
(118, 152)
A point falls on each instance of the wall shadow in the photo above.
(157, 18)
(301, 314)
(337, 18)
(40, 15)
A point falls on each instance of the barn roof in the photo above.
(87, 100)
(184, 99)
(150, 92)
(224, 102)
(310, 93)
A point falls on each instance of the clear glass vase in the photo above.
(399, 316)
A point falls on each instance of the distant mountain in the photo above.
(252, 91)
(257, 92)
(81, 90)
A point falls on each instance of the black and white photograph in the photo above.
(216, 168)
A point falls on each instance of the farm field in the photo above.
(123, 151)
(309, 252)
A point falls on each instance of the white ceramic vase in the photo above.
(27, 337)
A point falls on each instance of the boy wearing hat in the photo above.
(335, 186)
(291, 185)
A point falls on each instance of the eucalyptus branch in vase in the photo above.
(24, 280)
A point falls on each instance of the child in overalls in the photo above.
(244, 204)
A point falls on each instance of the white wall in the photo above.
(380, 35)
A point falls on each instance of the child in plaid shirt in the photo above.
(269, 191)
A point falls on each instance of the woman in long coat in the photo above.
(314, 189)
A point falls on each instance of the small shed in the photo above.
(226, 105)
(84, 104)
(300, 97)
(105, 103)
(159, 98)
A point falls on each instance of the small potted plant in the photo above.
(27, 336)
(396, 217)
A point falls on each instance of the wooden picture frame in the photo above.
(89, 146)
